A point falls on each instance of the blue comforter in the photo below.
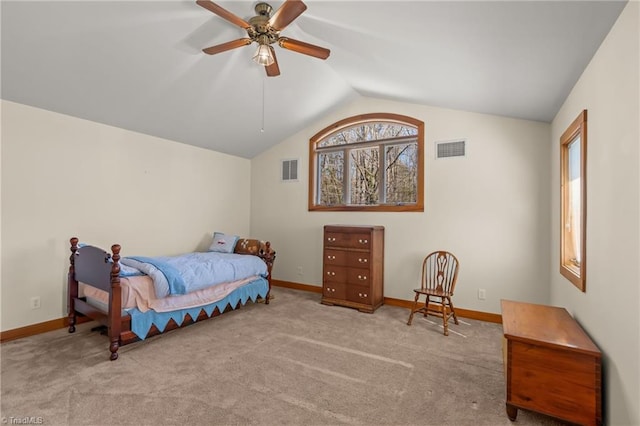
(193, 271)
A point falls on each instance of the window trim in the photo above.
(418, 206)
(576, 275)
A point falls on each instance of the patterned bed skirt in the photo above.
(141, 323)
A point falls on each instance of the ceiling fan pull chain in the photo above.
(262, 128)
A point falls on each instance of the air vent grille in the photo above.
(451, 149)
(289, 170)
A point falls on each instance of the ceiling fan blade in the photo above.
(304, 48)
(224, 13)
(285, 15)
(273, 70)
(227, 46)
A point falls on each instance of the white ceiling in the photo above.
(138, 65)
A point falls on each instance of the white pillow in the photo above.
(223, 243)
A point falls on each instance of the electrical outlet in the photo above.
(35, 302)
(482, 294)
(300, 273)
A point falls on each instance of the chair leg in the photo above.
(453, 311)
(413, 310)
(444, 317)
(426, 306)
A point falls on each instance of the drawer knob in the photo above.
(361, 241)
(362, 277)
(333, 274)
(363, 260)
(333, 290)
(331, 239)
(331, 257)
(362, 295)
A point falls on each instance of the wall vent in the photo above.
(290, 170)
(451, 149)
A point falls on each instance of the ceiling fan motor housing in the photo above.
(260, 30)
(263, 9)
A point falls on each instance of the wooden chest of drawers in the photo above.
(552, 366)
(353, 266)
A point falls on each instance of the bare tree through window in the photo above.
(373, 161)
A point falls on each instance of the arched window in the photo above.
(372, 162)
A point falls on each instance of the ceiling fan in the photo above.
(265, 29)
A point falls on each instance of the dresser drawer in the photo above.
(336, 257)
(359, 277)
(360, 240)
(358, 259)
(335, 239)
(334, 290)
(335, 274)
(352, 259)
(359, 294)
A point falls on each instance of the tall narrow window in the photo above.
(369, 162)
(573, 155)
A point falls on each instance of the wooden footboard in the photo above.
(98, 268)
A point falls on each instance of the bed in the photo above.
(135, 297)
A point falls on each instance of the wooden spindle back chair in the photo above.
(439, 275)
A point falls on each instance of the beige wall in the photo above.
(64, 177)
(609, 310)
(1, 298)
(489, 208)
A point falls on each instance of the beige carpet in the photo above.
(293, 362)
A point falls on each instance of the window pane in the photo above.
(364, 166)
(401, 173)
(365, 132)
(367, 163)
(573, 225)
(573, 152)
(331, 174)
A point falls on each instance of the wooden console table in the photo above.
(551, 365)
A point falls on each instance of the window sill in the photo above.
(378, 208)
(572, 273)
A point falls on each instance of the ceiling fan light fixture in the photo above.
(263, 55)
(264, 29)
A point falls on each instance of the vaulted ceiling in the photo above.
(139, 65)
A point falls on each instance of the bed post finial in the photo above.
(72, 285)
(115, 268)
(74, 248)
